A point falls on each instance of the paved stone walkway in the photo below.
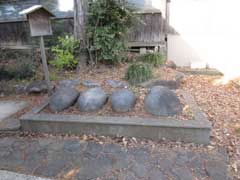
(72, 159)
(7, 111)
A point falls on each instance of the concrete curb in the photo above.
(191, 131)
(207, 72)
(7, 175)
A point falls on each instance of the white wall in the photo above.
(209, 33)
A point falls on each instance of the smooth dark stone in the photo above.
(92, 100)
(62, 99)
(122, 100)
(161, 101)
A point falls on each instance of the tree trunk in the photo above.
(80, 10)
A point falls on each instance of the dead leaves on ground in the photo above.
(221, 103)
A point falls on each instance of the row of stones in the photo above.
(159, 101)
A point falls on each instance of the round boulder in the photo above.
(90, 84)
(171, 64)
(92, 99)
(69, 83)
(123, 100)
(116, 84)
(161, 101)
(63, 98)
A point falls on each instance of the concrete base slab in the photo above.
(7, 175)
(189, 131)
(196, 130)
(8, 108)
(10, 125)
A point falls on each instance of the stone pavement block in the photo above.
(216, 170)
(8, 108)
(6, 175)
(66, 157)
(10, 125)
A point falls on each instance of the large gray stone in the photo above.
(123, 100)
(37, 87)
(90, 84)
(116, 84)
(171, 64)
(92, 99)
(179, 76)
(161, 101)
(69, 83)
(63, 98)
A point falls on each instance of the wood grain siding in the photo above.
(14, 33)
(17, 34)
(40, 24)
(148, 29)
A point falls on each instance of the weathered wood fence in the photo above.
(148, 31)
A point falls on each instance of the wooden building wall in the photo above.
(14, 34)
(148, 30)
(17, 34)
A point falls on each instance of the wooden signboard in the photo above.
(40, 23)
(39, 20)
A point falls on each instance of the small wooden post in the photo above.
(40, 25)
(44, 63)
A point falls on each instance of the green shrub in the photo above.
(19, 72)
(155, 59)
(64, 53)
(4, 74)
(53, 77)
(138, 73)
(24, 71)
(108, 22)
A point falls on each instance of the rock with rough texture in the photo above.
(69, 83)
(122, 100)
(116, 84)
(92, 100)
(171, 64)
(161, 101)
(63, 98)
(179, 76)
(37, 87)
(90, 84)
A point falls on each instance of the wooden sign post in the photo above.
(44, 62)
(40, 25)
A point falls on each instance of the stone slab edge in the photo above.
(207, 72)
(196, 131)
(10, 124)
(7, 175)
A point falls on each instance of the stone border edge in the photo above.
(192, 131)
